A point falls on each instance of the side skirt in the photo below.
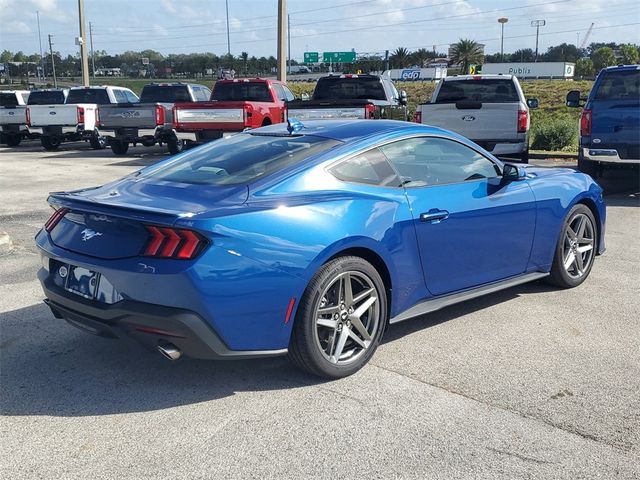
(437, 303)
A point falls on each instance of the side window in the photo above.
(279, 92)
(131, 97)
(428, 161)
(288, 94)
(370, 167)
(206, 93)
(120, 96)
(25, 97)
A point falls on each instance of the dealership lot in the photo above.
(528, 382)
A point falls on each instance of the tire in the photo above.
(97, 142)
(330, 350)
(13, 139)
(50, 143)
(524, 156)
(578, 240)
(119, 147)
(175, 145)
(3, 138)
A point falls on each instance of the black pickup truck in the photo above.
(149, 121)
(351, 97)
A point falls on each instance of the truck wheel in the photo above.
(97, 142)
(3, 138)
(50, 142)
(524, 156)
(13, 139)
(119, 147)
(175, 145)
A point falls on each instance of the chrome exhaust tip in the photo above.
(170, 351)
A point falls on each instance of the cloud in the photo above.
(15, 27)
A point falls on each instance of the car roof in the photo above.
(622, 68)
(348, 130)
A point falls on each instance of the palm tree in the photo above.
(420, 57)
(464, 53)
(245, 58)
(400, 58)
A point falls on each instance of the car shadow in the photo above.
(50, 368)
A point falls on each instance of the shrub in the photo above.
(554, 134)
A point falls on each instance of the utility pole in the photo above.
(84, 60)
(282, 40)
(502, 21)
(93, 61)
(289, 44)
(226, 2)
(537, 24)
(40, 40)
(53, 62)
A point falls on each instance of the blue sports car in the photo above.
(310, 240)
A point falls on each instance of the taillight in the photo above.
(174, 120)
(97, 117)
(80, 112)
(159, 115)
(417, 117)
(248, 114)
(585, 122)
(178, 243)
(55, 219)
(369, 110)
(523, 121)
(28, 114)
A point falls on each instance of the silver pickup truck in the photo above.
(149, 121)
(13, 121)
(490, 110)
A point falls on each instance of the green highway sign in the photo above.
(339, 57)
(311, 57)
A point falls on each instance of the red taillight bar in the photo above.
(369, 110)
(80, 112)
(159, 115)
(585, 122)
(523, 121)
(417, 117)
(165, 242)
(28, 114)
(55, 219)
(174, 120)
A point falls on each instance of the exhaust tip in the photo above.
(170, 351)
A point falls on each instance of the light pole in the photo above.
(537, 24)
(43, 76)
(226, 3)
(502, 21)
(82, 41)
(282, 40)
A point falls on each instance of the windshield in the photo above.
(165, 94)
(240, 159)
(620, 85)
(98, 96)
(52, 97)
(247, 91)
(484, 90)
(349, 89)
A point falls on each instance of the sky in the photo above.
(372, 26)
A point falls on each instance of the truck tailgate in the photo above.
(13, 116)
(210, 116)
(128, 116)
(492, 121)
(50, 115)
(615, 125)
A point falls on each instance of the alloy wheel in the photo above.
(578, 245)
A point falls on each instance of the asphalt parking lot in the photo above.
(531, 382)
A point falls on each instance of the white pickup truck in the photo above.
(490, 110)
(77, 119)
(13, 123)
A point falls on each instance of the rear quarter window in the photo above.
(484, 91)
(621, 85)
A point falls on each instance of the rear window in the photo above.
(240, 159)
(349, 89)
(46, 98)
(486, 91)
(165, 94)
(8, 100)
(98, 96)
(250, 92)
(620, 85)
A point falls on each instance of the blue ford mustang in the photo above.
(310, 240)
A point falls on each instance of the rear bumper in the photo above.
(61, 130)
(203, 136)
(151, 325)
(504, 147)
(131, 134)
(606, 155)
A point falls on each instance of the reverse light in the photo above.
(55, 219)
(585, 122)
(80, 113)
(523, 121)
(159, 115)
(177, 243)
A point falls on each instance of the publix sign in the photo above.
(532, 69)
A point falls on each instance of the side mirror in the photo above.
(403, 97)
(513, 173)
(304, 97)
(532, 102)
(573, 99)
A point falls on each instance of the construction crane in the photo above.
(586, 37)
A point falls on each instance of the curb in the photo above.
(6, 245)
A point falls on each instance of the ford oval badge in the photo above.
(52, 113)
(468, 118)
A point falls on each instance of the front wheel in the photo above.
(175, 145)
(576, 248)
(340, 320)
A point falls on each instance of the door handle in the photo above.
(434, 216)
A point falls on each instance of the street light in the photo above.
(502, 21)
(537, 24)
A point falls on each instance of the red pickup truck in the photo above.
(235, 105)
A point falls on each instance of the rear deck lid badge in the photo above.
(88, 234)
